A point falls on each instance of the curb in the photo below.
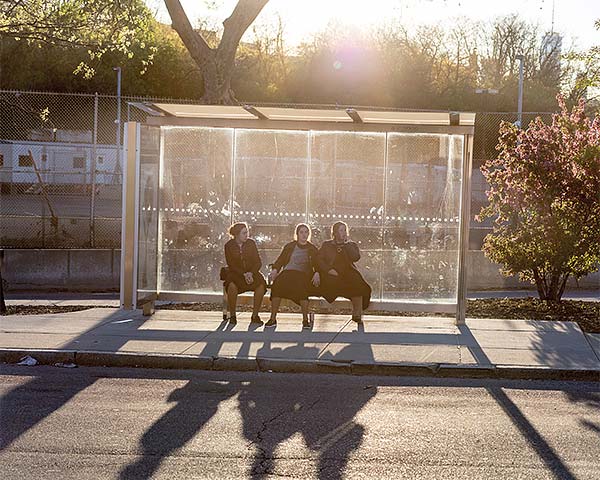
(189, 362)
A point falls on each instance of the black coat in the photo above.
(245, 260)
(284, 257)
(328, 251)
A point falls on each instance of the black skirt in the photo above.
(240, 282)
(292, 284)
(347, 284)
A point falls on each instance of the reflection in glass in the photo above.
(346, 184)
(148, 208)
(422, 213)
(270, 186)
(195, 211)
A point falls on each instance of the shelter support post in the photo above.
(464, 226)
(129, 217)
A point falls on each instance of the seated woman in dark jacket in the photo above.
(339, 275)
(293, 273)
(243, 275)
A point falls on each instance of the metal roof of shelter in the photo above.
(347, 115)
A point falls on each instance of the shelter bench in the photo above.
(313, 302)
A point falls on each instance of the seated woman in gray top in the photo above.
(293, 273)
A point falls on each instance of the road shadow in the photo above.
(531, 435)
(324, 414)
(332, 434)
(195, 405)
(19, 412)
(589, 399)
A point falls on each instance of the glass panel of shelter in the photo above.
(148, 208)
(422, 217)
(403, 211)
(270, 186)
(346, 184)
(195, 209)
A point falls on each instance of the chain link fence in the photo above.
(61, 168)
(487, 127)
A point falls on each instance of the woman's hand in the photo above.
(333, 272)
(248, 277)
(316, 280)
(273, 275)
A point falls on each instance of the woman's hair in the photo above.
(336, 225)
(236, 228)
(298, 227)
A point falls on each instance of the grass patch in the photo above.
(586, 314)
(44, 309)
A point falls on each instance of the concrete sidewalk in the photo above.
(431, 346)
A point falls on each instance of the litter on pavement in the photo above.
(28, 361)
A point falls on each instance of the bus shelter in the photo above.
(400, 180)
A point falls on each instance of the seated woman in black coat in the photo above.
(243, 275)
(293, 273)
(339, 275)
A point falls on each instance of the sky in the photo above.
(302, 18)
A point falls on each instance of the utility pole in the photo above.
(521, 59)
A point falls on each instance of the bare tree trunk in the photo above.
(217, 85)
(553, 287)
(562, 287)
(540, 284)
(216, 64)
(552, 291)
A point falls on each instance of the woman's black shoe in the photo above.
(356, 319)
(233, 319)
(271, 323)
(255, 319)
(305, 324)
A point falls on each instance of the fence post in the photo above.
(118, 120)
(93, 176)
(43, 224)
(2, 302)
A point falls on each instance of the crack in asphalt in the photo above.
(263, 468)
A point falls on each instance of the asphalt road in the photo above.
(129, 423)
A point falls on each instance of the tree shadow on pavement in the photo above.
(588, 399)
(325, 418)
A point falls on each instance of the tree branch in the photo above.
(244, 13)
(193, 41)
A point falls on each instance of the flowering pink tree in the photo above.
(545, 198)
